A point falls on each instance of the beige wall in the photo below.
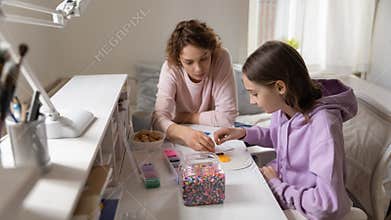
(41, 57)
(112, 37)
(134, 31)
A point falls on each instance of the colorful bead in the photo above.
(203, 187)
(224, 158)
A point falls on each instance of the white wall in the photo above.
(132, 40)
(112, 36)
(41, 57)
(380, 71)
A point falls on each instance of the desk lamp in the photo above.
(67, 123)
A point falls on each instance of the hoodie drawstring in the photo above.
(284, 155)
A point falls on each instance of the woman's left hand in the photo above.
(268, 172)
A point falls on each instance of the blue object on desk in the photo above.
(241, 125)
(206, 132)
(109, 209)
(16, 109)
(14, 117)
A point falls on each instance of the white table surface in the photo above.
(247, 196)
(56, 194)
(15, 184)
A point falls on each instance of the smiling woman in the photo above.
(196, 86)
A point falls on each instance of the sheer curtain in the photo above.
(333, 36)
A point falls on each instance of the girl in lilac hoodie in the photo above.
(306, 131)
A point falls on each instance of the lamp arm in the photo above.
(69, 124)
(34, 83)
(57, 21)
(29, 6)
(63, 12)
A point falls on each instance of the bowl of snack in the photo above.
(149, 140)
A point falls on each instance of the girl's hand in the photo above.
(225, 134)
(268, 172)
(197, 140)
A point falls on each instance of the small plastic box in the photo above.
(150, 176)
(173, 161)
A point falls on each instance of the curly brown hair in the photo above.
(193, 32)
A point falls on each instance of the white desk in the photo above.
(247, 197)
(15, 184)
(56, 194)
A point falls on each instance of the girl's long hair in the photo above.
(276, 60)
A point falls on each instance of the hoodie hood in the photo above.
(336, 95)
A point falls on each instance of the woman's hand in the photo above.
(197, 140)
(268, 172)
(194, 139)
(225, 134)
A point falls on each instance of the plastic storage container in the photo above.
(147, 140)
(202, 180)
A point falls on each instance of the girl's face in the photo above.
(268, 98)
(196, 62)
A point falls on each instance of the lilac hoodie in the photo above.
(310, 156)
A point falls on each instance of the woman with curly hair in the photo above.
(196, 86)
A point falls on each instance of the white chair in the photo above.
(368, 148)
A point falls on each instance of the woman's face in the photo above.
(268, 98)
(196, 62)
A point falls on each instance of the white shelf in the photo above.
(56, 193)
(107, 158)
(89, 202)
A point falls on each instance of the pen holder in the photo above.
(202, 180)
(29, 143)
